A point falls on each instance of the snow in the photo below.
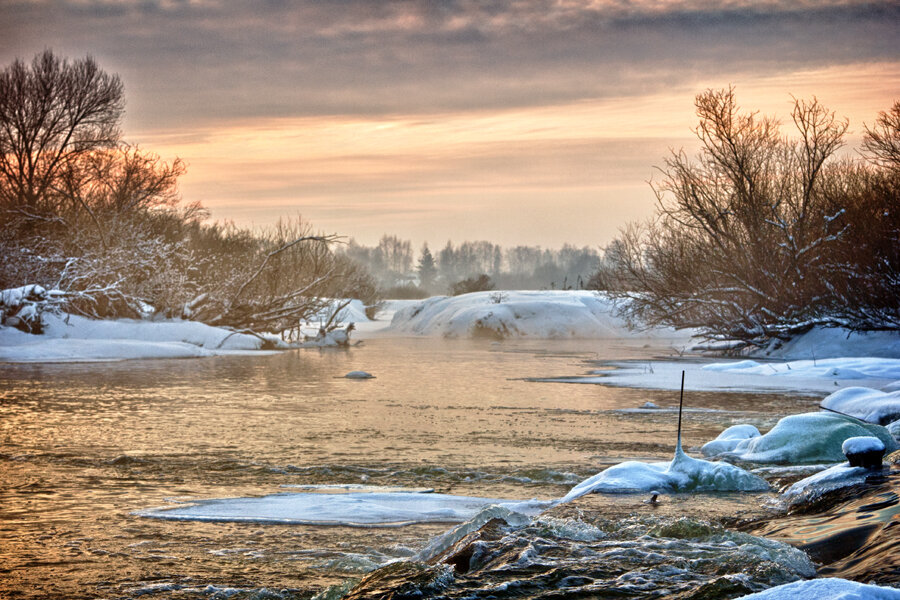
(805, 439)
(826, 589)
(666, 375)
(830, 368)
(858, 445)
(729, 439)
(74, 338)
(682, 474)
(509, 314)
(351, 509)
(866, 404)
(835, 342)
(835, 477)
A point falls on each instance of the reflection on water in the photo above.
(854, 534)
(82, 446)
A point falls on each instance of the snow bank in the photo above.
(666, 375)
(830, 368)
(835, 342)
(74, 338)
(538, 314)
(682, 474)
(866, 404)
(826, 589)
(805, 439)
(729, 439)
(349, 509)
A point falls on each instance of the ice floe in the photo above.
(349, 509)
(804, 439)
(826, 589)
(866, 404)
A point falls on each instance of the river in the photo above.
(83, 446)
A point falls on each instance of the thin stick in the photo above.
(680, 408)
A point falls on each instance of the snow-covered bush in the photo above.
(22, 307)
(763, 236)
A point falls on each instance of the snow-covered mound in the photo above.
(537, 314)
(806, 439)
(826, 589)
(866, 404)
(729, 439)
(835, 342)
(351, 509)
(74, 338)
(831, 368)
(682, 474)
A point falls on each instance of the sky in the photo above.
(536, 122)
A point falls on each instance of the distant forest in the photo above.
(402, 272)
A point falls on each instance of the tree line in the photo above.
(472, 266)
(101, 221)
(763, 235)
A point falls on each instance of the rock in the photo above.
(863, 451)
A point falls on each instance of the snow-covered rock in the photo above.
(866, 404)
(806, 439)
(536, 314)
(858, 445)
(681, 474)
(729, 439)
(828, 588)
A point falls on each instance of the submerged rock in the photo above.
(551, 557)
(359, 375)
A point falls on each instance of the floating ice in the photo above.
(828, 588)
(866, 404)
(682, 474)
(806, 438)
(729, 439)
(351, 509)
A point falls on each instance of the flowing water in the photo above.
(84, 446)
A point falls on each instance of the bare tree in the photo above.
(52, 112)
(746, 233)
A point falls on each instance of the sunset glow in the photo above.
(549, 136)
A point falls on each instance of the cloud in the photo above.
(185, 61)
